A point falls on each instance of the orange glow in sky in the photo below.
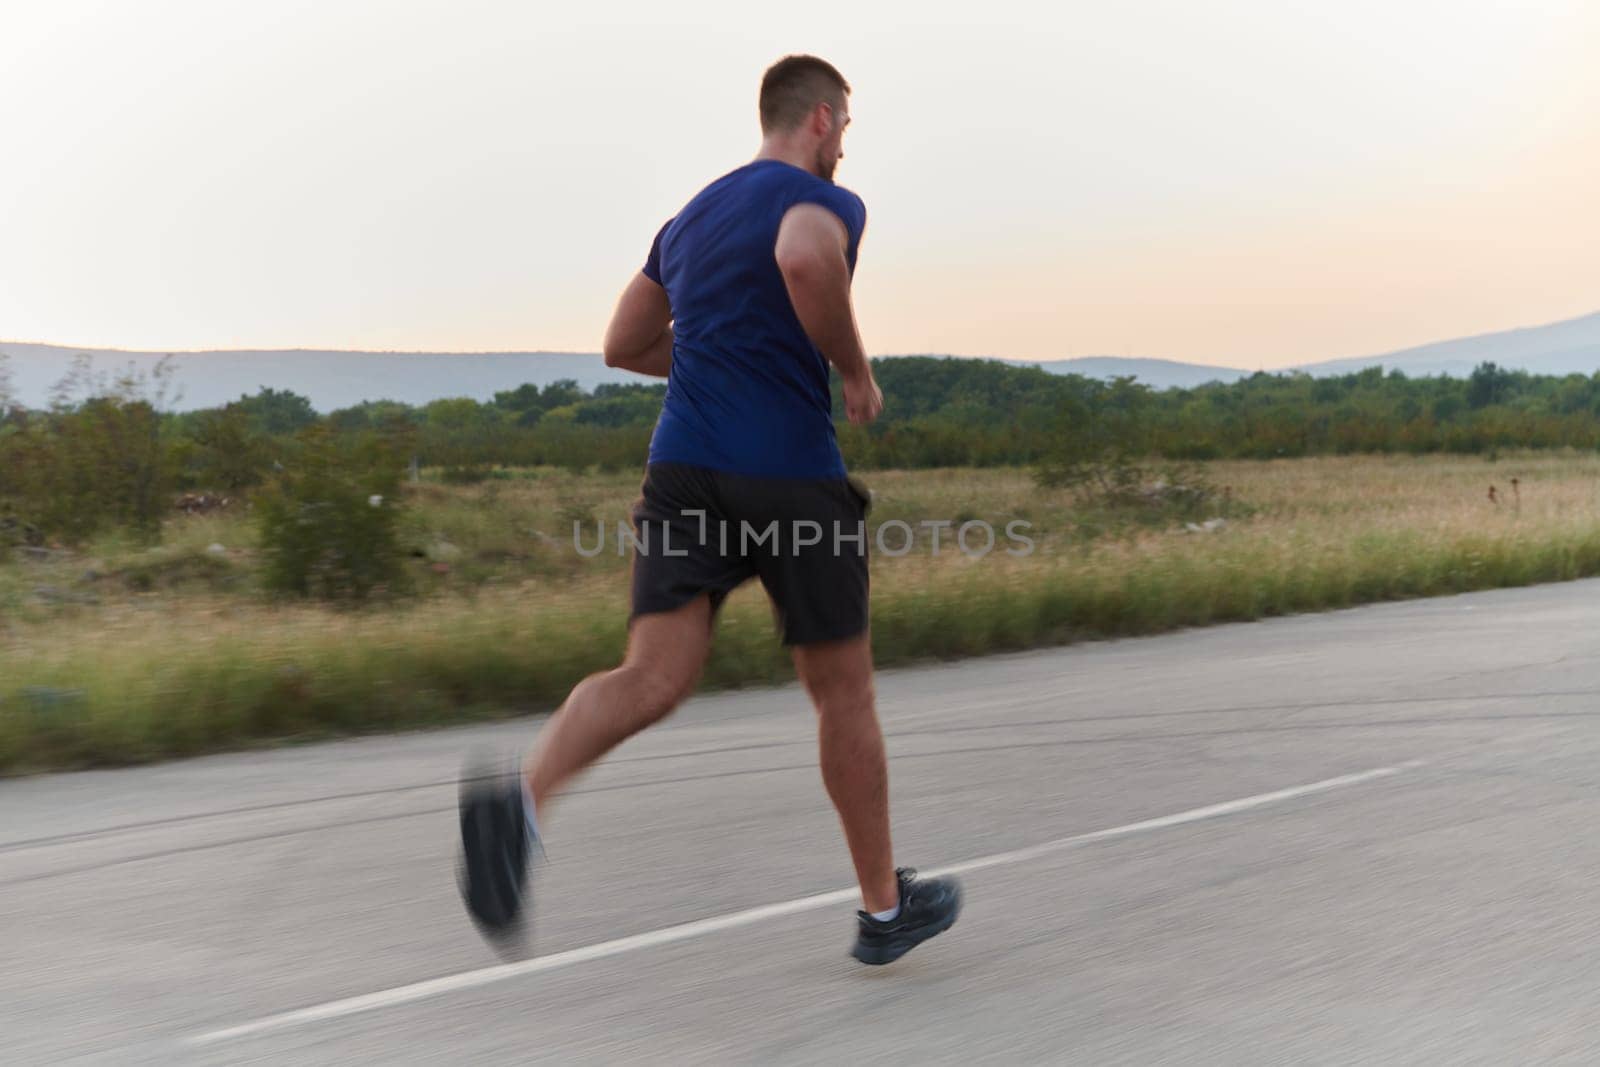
(1254, 184)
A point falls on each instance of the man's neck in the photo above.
(786, 152)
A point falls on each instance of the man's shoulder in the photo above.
(778, 173)
(845, 203)
(766, 180)
(828, 189)
(850, 208)
(848, 197)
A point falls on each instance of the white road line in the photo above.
(453, 983)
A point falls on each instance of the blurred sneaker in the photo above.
(496, 842)
(928, 907)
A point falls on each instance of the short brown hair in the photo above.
(793, 86)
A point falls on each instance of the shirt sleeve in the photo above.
(849, 207)
(652, 262)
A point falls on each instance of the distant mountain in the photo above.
(1568, 347)
(1157, 373)
(330, 380)
(1558, 348)
(339, 379)
(334, 380)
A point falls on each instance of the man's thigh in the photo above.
(815, 568)
(679, 556)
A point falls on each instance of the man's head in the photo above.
(806, 102)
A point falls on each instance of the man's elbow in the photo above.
(615, 351)
(803, 270)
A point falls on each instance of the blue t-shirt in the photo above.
(748, 391)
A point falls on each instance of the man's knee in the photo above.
(836, 699)
(838, 676)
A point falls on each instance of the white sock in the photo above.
(885, 916)
(527, 806)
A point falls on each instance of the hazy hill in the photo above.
(1568, 347)
(338, 379)
(1160, 373)
(330, 379)
(1571, 346)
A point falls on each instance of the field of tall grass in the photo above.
(116, 654)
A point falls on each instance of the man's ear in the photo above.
(822, 119)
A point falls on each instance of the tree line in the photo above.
(107, 452)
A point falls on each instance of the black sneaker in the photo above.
(496, 841)
(928, 906)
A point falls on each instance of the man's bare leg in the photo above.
(855, 766)
(666, 652)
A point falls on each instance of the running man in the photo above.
(741, 305)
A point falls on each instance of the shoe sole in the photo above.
(509, 939)
(877, 957)
(500, 893)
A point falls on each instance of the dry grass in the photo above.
(136, 654)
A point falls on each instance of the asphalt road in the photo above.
(1362, 836)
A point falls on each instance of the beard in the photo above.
(825, 166)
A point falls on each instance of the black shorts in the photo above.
(705, 531)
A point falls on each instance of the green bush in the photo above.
(224, 451)
(329, 522)
(97, 460)
(78, 472)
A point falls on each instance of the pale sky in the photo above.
(1245, 182)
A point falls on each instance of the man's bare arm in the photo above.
(811, 254)
(640, 335)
